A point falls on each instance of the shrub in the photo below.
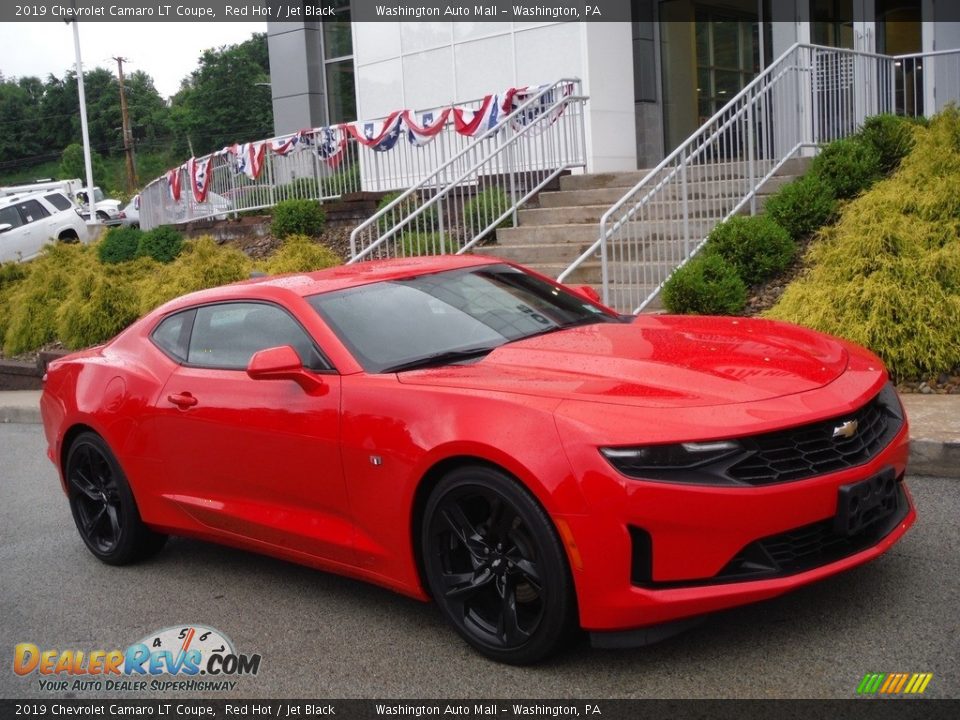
(305, 187)
(31, 305)
(202, 264)
(890, 136)
(756, 247)
(427, 243)
(162, 244)
(119, 245)
(424, 222)
(100, 303)
(300, 254)
(802, 207)
(887, 275)
(707, 285)
(10, 276)
(847, 167)
(484, 208)
(297, 217)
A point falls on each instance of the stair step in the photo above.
(657, 210)
(531, 254)
(584, 233)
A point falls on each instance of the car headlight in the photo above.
(675, 463)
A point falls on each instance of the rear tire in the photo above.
(103, 507)
(495, 566)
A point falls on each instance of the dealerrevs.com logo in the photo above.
(894, 683)
(184, 652)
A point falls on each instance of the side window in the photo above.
(59, 201)
(226, 336)
(32, 211)
(172, 335)
(10, 216)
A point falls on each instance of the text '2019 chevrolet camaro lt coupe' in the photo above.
(463, 429)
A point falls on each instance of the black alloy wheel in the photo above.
(103, 507)
(496, 567)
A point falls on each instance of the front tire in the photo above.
(102, 504)
(495, 566)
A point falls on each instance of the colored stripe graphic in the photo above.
(894, 683)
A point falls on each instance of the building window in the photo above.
(338, 65)
(728, 58)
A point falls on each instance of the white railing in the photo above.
(325, 164)
(810, 95)
(469, 195)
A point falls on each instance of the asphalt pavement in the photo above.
(324, 636)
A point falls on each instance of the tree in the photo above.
(220, 103)
(72, 164)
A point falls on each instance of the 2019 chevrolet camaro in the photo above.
(463, 429)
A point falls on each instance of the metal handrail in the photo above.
(826, 104)
(446, 189)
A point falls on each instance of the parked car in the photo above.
(28, 222)
(464, 429)
(107, 209)
(130, 215)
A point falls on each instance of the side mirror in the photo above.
(586, 291)
(283, 363)
(4, 227)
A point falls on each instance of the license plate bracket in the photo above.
(866, 502)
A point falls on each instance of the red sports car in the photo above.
(464, 429)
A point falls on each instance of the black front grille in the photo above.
(816, 449)
(810, 546)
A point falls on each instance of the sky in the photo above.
(165, 51)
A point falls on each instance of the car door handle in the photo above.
(182, 400)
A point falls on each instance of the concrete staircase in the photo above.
(550, 237)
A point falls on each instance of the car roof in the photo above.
(32, 195)
(331, 279)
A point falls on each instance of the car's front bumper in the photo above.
(696, 533)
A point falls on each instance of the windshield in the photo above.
(448, 316)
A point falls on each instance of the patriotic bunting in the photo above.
(173, 183)
(430, 127)
(248, 158)
(331, 142)
(200, 177)
(474, 123)
(382, 141)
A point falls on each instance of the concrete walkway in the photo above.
(934, 428)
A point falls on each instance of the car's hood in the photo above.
(657, 361)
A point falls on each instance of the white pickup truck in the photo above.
(107, 209)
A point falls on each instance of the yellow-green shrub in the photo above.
(887, 275)
(300, 254)
(100, 302)
(201, 264)
(32, 303)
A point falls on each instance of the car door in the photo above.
(16, 243)
(252, 458)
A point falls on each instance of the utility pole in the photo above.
(132, 181)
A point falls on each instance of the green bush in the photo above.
(426, 243)
(297, 217)
(100, 303)
(756, 247)
(847, 167)
(202, 264)
(119, 245)
(707, 285)
(11, 274)
(802, 207)
(300, 254)
(424, 222)
(163, 244)
(484, 208)
(32, 303)
(301, 188)
(887, 275)
(890, 136)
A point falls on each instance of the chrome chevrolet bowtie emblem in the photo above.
(847, 430)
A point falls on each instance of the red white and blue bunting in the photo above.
(330, 143)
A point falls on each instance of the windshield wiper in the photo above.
(442, 358)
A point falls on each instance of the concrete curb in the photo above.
(934, 428)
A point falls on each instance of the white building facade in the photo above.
(651, 81)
